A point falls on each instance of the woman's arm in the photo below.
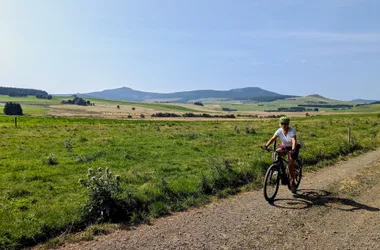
(294, 142)
(271, 141)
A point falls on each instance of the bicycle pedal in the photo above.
(284, 182)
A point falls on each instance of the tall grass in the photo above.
(168, 169)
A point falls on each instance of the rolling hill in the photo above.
(124, 93)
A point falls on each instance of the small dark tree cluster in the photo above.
(207, 115)
(198, 103)
(11, 108)
(192, 115)
(77, 101)
(44, 96)
(228, 109)
(160, 114)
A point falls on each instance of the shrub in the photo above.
(249, 130)
(83, 139)
(68, 144)
(105, 197)
(312, 134)
(51, 159)
(129, 116)
(142, 116)
(11, 108)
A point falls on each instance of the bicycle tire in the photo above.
(298, 168)
(271, 182)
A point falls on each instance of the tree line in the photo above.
(20, 92)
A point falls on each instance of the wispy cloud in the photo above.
(310, 35)
(336, 37)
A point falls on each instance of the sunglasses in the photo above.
(284, 123)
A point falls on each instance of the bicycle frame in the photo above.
(278, 159)
(278, 165)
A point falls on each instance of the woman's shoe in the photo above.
(294, 188)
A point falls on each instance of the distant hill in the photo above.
(124, 93)
(364, 101)
(319, 97)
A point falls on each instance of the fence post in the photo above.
(16, 122)
(349, 135)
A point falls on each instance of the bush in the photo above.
(250, 130)
(11, 108)
(68, 144)
(51, 159)
(142, 116)
(106, 199)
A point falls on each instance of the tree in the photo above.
(11, 108)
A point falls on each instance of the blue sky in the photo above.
(326, 47)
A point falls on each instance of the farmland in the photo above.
(108, 108)
(166, 165)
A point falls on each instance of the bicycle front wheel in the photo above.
(271, 182)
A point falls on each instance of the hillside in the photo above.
(364, 101)
(124, 93)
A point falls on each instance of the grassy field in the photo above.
(33, 106)
(294, 102)
(108, 108)
(167, 165)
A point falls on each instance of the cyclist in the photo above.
(288, 141)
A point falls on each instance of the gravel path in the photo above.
(312, 219)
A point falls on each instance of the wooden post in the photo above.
(349, 135)
(15, 122)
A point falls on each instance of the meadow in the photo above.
(294, 102)
(108, 108)
(166, 165)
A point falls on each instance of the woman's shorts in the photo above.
(293, 156)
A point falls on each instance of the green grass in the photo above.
(294, 102)
(366, 108)
(34, 106)
(168, 165)
(30, 100)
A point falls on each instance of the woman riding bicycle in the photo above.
(288, 142)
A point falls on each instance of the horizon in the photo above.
(329, 48)
(83, 93)
(313, 94)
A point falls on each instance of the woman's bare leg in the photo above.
(292, 172)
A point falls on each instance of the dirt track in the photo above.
(336, 208)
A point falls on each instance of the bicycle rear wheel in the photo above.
(271, 182)
(298, 172)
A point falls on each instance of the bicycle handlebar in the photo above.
(277, 151)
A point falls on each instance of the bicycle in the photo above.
(278, 171)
